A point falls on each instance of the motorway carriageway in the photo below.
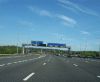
(48, 68)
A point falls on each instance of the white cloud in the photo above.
(45, 13)
(68, 8)
(67, 20)
(85, 32)
(74, 7)
(41, 12)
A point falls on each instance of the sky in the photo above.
(74, 22)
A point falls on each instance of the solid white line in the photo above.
(25, 79)
(44, 63)
(75, 65)
(2, 65)
(98, 76)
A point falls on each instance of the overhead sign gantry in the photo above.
(41, 45)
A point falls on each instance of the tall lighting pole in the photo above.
(99, 50)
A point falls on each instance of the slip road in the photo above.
(49, 68)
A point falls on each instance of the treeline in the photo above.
(9, 49)
(87, 53)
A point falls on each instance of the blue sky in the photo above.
(74, 22)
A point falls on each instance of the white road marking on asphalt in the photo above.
(30, 75)
(39, 57)
(9, 63)
(98, 76)
(2, 65)
(75, 65)
(19, 61)
(44, 63)
(15, 62)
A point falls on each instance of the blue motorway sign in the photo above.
(36, 43)
(56, 45)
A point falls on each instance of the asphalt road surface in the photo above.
(48, 68)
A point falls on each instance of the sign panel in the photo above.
(56, 45)
(37, 43)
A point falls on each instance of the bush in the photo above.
(89, 54)
(9, 49)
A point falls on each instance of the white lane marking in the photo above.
(2, 65)
(25, 60)
(19, 61)
(44, 63)
(30, 75)
(15, 62)
(75, 65)
(41, 56)
(9, 63)
(98, 76)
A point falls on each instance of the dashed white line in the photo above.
(29, 76)
(9, 63)
(2, 65)
(98, 76)
(15, 62)
(44, 63)
(39, 57)
(19, 61)
(75, 65)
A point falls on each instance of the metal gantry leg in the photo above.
(23, 50)
(69, 49)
